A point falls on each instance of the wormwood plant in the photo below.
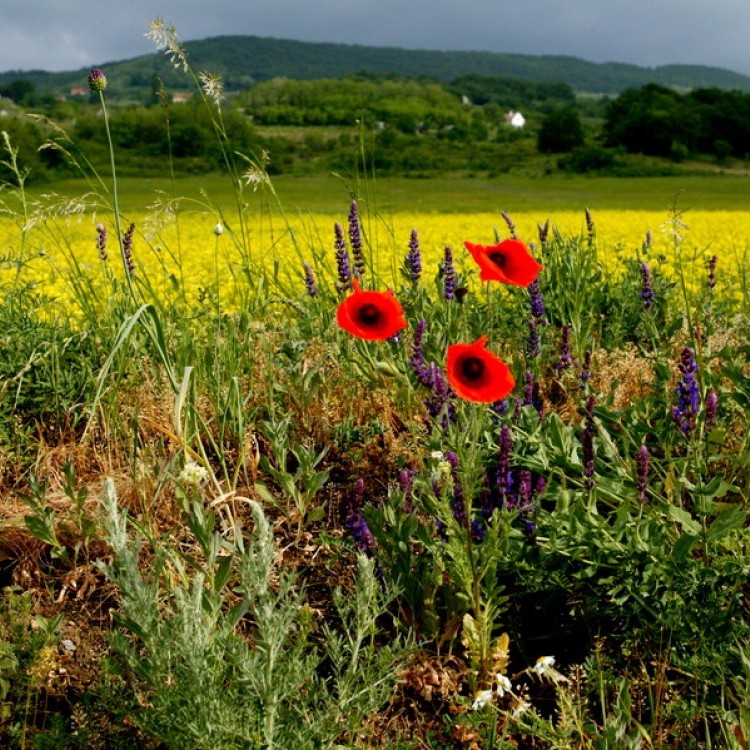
(205, 684)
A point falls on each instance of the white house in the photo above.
(515, 119)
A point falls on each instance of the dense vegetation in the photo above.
(496, 505)
(245, 60)
(404, 126)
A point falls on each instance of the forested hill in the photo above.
(245, 60)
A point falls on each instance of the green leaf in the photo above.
(265, 494)
(729, 519)
(688, 523)
(682, 548)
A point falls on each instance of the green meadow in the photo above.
(547, 194)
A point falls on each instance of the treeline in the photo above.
(415, 127)
(658, 121)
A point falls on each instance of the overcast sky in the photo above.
(70, 34)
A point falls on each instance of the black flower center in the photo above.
(472, 368)
(498, 259)
(369, 314)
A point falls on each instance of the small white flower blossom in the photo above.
(192, 474)
(543, 664)
(503, 685)
(219, 229)
(520, 707)
(481, 699)
(437, 455)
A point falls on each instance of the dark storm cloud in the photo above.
(66, 34)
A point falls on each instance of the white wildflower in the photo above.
(543, 665)
(192, 474)
(481, 699)
(213, 87)
(437, 455)
(503, 685)
(164, 36)
(520, 707)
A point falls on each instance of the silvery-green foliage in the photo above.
(201, 684)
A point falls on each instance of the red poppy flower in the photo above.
(509, 262)
(476, 374)
(374, 316)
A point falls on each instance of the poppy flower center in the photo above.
(369, 314)
(498, 259)
(472, 368)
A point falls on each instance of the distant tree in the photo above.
(651, 120)
(20, 91)
(561, 131)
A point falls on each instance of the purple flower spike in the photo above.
(711, 265)
(355, 522)
(566, 360)
(342, 258)
(414, 258)
(585, 375)
(355, 239)
(504, 472)
(101, 241)
(511, 225)
(533, 342)
(310, 285)
(686, 410)
(127, 249)
(537, 303)
(647, 292)
(642, 462)
(712, 405)
(449, 275)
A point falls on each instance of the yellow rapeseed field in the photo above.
(187, 256)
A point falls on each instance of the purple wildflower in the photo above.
(499, 407)
(449, 275)
(504, 477)
(649, 238)
(101, 241)
(342, 258)
(355, 240)
(537, 303)
(642, 463)
(711, 266)
(566, 360)
(587, 444)
(458, 506)
(310, 285)
(355, 522)
(417, 360)
(533, 342)
(439, 402)
(511, 225)
(97, 80)
(127, 249)
(406, 485)
(647, 290)
(532, 395)
(686, 410)
(414, 258)
(585, 375)
(712, 405)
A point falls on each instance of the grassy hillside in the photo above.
(243, 60)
